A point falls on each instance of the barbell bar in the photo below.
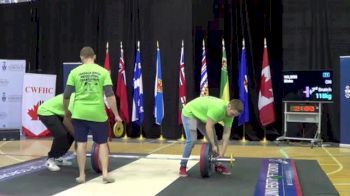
(214, 159)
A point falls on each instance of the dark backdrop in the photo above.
(48, 33)
(315, 34)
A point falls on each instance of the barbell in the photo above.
(206, 159)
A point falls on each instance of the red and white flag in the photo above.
(107, 64)
(266, 102)
(182, 84)
(121, 91)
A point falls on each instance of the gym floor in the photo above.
(334, 161)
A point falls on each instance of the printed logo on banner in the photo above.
(11, 98)
(347, 91)
(15, 67)
(3, 82)
(3, 66)
(3, 97)
(33, 112)
(281, 161)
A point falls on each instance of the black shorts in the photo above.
(99, 130)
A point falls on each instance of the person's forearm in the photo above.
(225, 141)
(69, 126)
(65, 106)
(210, 132)
(112, 104)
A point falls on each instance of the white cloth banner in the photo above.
(37, 88)
(11, 81)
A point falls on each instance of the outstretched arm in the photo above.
(209, 126)
(225, 140)
(112, 103)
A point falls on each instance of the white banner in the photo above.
(11, 82)
(37, 88)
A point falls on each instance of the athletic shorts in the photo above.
(99, 130)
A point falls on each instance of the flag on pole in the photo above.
(137, 104)
(204, 90)
(182, 84)
(121, 90)
(266, 102)
(224, 85)
(107, 64)
(158, 91)
(243, 88)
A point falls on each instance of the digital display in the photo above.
(303, 108)
(315, 85)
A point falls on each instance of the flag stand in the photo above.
(182, 135)
(141, 137)
(264, 140)
(161, 138)
(243, 137)
(126, 133)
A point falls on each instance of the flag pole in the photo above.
(161, 138)
(126, 133)
(141, 136)
(182, 135)
(243, 137)
(264, 140)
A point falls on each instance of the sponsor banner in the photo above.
(344, 100)
(11, 82)
(37, 88)
(278, 177)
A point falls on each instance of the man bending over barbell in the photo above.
(203, 113)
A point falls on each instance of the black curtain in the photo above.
(315, 34)
(48, 33)
(18, 32)
(234, 20)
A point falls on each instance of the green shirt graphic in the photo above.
(54, 106)
(208, 106)
(89, 80)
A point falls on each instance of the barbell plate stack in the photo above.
(118, 129)
(205, 162)
(95, 160)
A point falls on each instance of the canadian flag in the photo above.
(266, 102)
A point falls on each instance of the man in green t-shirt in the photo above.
(203, 113)
(91, 83)
(51, 114)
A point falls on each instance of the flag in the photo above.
(158, 91)
(107, 64)
(243, 88)
(204, 90)
(224, 86)
(182, 84)
(137, 104)
(266, 101)
(121, 90)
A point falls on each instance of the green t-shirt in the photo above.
(208, 106)
(89, 80)
(54, 106)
